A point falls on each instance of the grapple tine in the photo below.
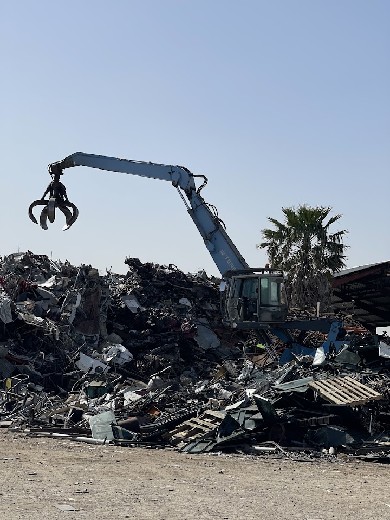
(69, 215)
(51, 209)
(43, 219)
(73, 218)
(38, 202)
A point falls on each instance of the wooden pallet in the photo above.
(196, 427)
(344, 391)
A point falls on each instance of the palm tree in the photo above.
(305, 249)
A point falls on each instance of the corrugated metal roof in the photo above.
(355, 269)
(364, 292)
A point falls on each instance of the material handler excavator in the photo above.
(253, 297)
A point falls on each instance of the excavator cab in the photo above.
(254, 298)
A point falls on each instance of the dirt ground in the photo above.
(42, 477)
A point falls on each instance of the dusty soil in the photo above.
(40, 477)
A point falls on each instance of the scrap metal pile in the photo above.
(143, 359)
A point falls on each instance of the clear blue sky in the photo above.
(278, 103)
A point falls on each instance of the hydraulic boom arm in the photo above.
(224, 253)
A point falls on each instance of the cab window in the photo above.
(270, 291)
(250, 288)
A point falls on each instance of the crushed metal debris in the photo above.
(142, 359)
